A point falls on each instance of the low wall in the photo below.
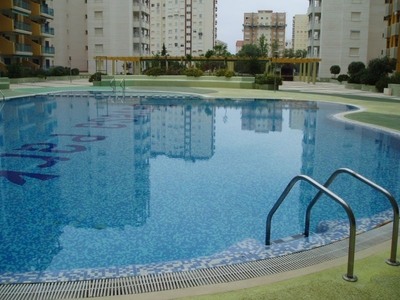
(47, 78)
(369, 88)
(4, 83)
(353, 86)
(395, 88)
(179, 81)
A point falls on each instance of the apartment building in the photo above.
(392, 30)
(271, 24)
(343, 31)
(300, 32)
(90, 28)
(183, 26)
(26, 34)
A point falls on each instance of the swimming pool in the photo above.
(98, 186)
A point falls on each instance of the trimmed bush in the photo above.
(220, 72)
(229, 74)
(155, 71)
(194, 72)
(335, 69)
(268, 79)
(96, 76)
(14, 70)
(382, 83)
(343, 77)
(75, 71)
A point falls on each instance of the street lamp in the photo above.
(276, 60)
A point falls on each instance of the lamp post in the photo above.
(276, 60)
(70, 70)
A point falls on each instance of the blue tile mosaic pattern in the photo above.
(96, 187)
(245, 251)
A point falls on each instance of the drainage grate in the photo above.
(187, 279)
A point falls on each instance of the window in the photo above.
(354, 34)
(354, 51)
(98, 31)
(98, 15)
(356, 16)
(98, 48)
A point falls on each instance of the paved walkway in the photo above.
(288, 86)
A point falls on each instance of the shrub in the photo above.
(229, 74)
(395, 78)
(155, 71)
(40, 73)
(343, 77)
(354, 70)
(194, 72)
(335, 69)
(75, 71)
(382, 83)
(58, 71)
(96, 76)
(268, 79)
(220, 72)
(14, 70)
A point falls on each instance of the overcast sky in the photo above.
(231, 12)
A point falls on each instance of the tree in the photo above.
(355, 69)
(263, 45)
(275, 48)
(301, 53)
(289, 53)
(252, 66)
(335, 69)
(221, 50)
(164, 50)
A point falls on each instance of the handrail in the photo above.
(4, 100)
(352, 237)
(395, 232)
(122, 86)
(114, 88)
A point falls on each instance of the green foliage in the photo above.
(301, 53)
(249, 50)
(395, 78)
(267, 79)
(263, 45)
(220, 72)
(224, 72)
(14, 70)
(194, 72)
(155, 71)
(382, 83)
(96, 76)
(58, 71)
(75, 71)
(209, 53)
(355, 70)
(229, 74)
(164, 50)
(343, 77)
(335, 69)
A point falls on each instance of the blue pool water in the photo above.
(96, 182)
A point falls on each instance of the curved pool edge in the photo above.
(195, 278)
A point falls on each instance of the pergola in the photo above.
(307, 72)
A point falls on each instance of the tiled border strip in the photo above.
(187, 279)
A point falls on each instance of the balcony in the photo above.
(36, 48)
(315, 26)
(395, 29)
(16, 6)
(387, 32)
(48, 51)
(393, 52)
(47, 31)
(47, 12)
(23, 49)
(315, 9)
(8, 25)
(388, 10)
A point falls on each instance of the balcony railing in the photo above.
(23, 48)
(48, 50)
(47, 11)
(22, 26)
(47, 30)
(23, 4)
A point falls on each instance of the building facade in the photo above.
(343, 31)
(300, 32)
(265, 22)
(183, 26)
(392, 30)
(26, 34)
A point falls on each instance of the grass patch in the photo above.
(385, 120)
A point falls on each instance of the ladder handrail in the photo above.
(122, 86)
(4, 100)
(352, 236)
(395, 232)
(114, 88)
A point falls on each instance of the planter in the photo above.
(369, 88)
(269, 87)
(4, 83)
(395, 89)
(353, 86)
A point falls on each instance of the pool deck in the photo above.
(289, 90)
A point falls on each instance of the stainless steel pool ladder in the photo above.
(323, 189)
(3, 101)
